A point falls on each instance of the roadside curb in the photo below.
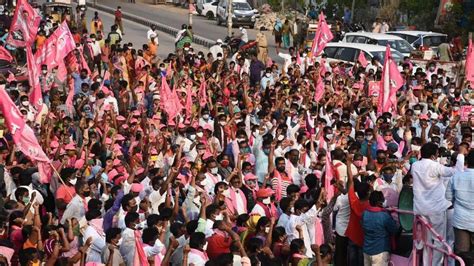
(159, 26)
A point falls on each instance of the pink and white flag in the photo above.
(322, 37)
(363, 62)
(170, 100)
(202, 93)
(24, 25)
(391, 81)
(329, 176)
(470, 64)
(318, 95)
(36, 97)
(22, 134)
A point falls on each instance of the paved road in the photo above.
(176, 16)
(136, 34)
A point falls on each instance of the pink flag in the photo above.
(189, 101)
(329, 176)
(139, 259)
(11, 77)
(322, 37)
(23, 136)
(171, 104)
(36, 97)
(298, 58)
(363, 62)
(202, 94)
(322, 66)
(470, 64)
(70, 96)
(391, 81)
(5, 54)
(319, 90)
(106, 77)
(24, 25)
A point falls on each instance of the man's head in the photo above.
(82, 188)
(429, 151)
(470, 159)
(376, 199)
(129, 204)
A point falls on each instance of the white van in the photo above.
(242, 13)
(395, 42)
(349, 52)
(422, 38)
(207, 8)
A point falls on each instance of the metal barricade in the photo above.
(421, 229)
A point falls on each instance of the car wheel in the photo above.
(210, 15)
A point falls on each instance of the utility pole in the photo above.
(352, 10)
(191, 10)
(229, 18)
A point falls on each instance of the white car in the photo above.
(422, 38)
(242, 13)
(395, 42)
(210, 10)
(349, 52)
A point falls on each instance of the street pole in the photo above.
(352, 10)
(95, 3)
(229, 18)
(190, 22)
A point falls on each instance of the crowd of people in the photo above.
(212, 158)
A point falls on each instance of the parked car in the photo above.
(349, 52)
(395, 42)
(422, 38)
(210, 9)
(242, 13)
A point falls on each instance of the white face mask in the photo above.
(222, 123)
(205, 247)
(292, 210)
(44, 72)
(268, 75)
(73, 181)
(235, 102)
(456, 108)
(214, 170)
(25, 103)
(205, 116)
(369, 137)
(266, 201)
(119, 243)
(329, 136)
(92, 99)
(281, 137)
(219, 217)
(219, 58)
(226, 193)
(384, 204)
(267, 230)
(192, 137)
(415, 147)
(417, 112)
(200, 134)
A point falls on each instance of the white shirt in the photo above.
(98, 244)
(343, 214)
(303, 220)
(75, 208)
(239, 203)
(215, 49)
(195, 259)
(210, 181)
(113, 102)
(428, 187)
(245, 36)
(154, 250)
(95, 46)
(127, 249)
(257, 209)
(283, 220)
(151, 33)
(287, 58)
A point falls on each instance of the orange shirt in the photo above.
(40, 41)
(354, 229)
(153, 48)
(62, 193)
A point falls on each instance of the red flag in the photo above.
(322, 37)
(470, 63)
(36, 97)
(329, 176)
(22, 134)
(202, 94)
(362, 59)
(24, 25)
(391, 81)
(5, 54)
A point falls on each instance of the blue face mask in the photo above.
(412, 160)
(387, 177)
(266, 151)
(245, 150)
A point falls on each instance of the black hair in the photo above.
(125, 200)
(375, 198)
(93, 214)
(130, 218)
(242, 219)
(94, 204)
(191, 227)
(292, 189)
(152, 219)
(197, 239)
(311, 181)
(211, 209)
(112, 233)
(296, 245)
(428, 150)
(300, 204)
(150, 234)
(285, 204)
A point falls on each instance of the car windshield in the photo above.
(397, 56)
(241, 6)
(399, 45)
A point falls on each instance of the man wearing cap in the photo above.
(265, 206)
(216, 48)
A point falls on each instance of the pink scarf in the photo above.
(233, 200)
(199, 253)
(140, 258)
(157, 258)
(318, 232)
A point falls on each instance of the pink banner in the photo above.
(470, 64)
(374, 87)
(465, 112)
(318, 95)
(171, 104)
(24, 25)
(36, 97)
(22, 134)
(363, 62)
(322, 37)
(56, 47)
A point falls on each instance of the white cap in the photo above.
(219, 41)
(434, 116)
